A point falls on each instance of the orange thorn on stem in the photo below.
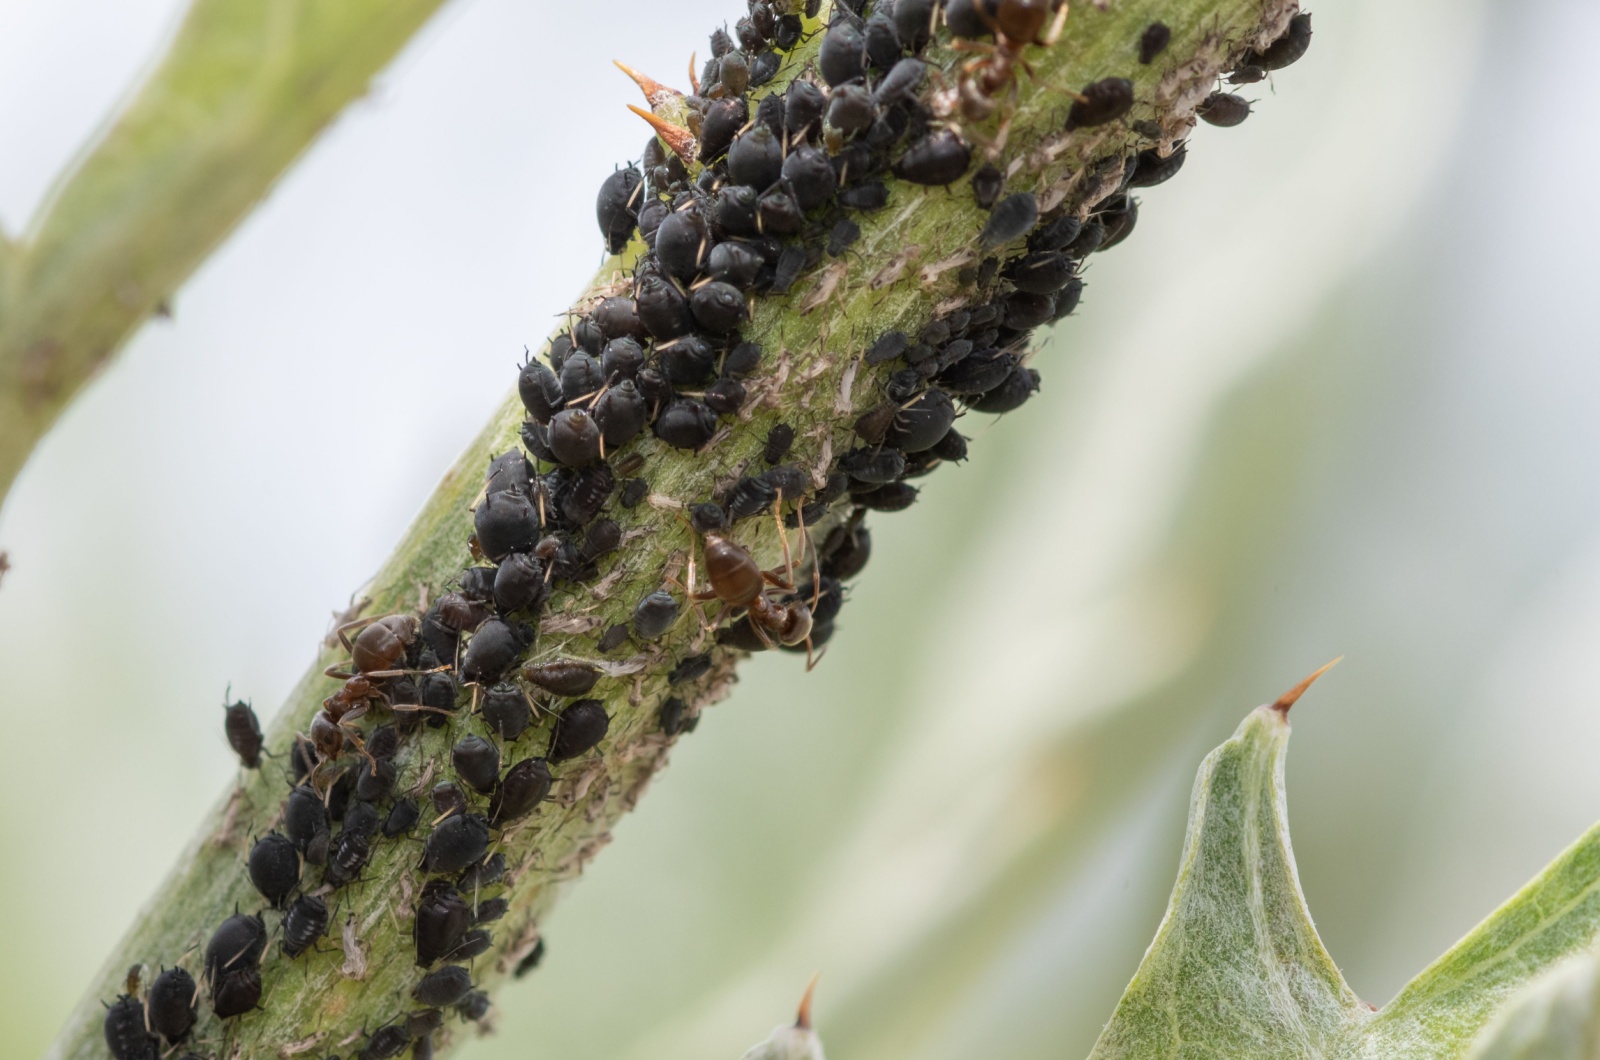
(678, 138)
(694, 82)
(803, 1019)
(655, 93)
(1289, 698)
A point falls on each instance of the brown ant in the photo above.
(374, 654)
(739, 582)
(1015, 24)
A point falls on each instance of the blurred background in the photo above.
(1337, 396)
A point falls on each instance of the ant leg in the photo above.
(783, 535)
(335, 671)
(1057, 26)
(344, 630)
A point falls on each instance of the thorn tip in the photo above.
(1289, 698)
(803, 1018)
(678, 138)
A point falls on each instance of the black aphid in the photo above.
(734, 262)
(633, 491)
(238, 943)
(125, 1032)
(506, 711)
(756, 158)
(617, 207)
(304, 923)
(1011, 219)
(385, 1043)
(1153, 41)
(846, 551)
(872, 195)
(574, 441)
(375, 779)
(843, 56)
(718, 307)
(490, 653)
(671, 717)
(485, 873)
(531, 961)
(304, 816)
(443, 916)
(938, 158)
(749, 497)
(725, 397)
(810, 177)
(1152, 169)
(663, 309)
(622, 358)
(952, 447)
(540, 391)
(873, 465)
(490, 910)
(686, 423)
(913, 21)
(563, 677)
(579, 728)
(851, 109)
(581, 375)
(1101, 102)
(349, 854)
(722, 119)
(525, 786)
(1223, 109)
(170, 1004)
(274, 866)
(707, 517)
(474, 1006)
(402, 817)
(965, 18)
(447, 798)
(362, 818)
(446, 986)
(612, 639)
(887, 347)
(457, 842)
(681, 245)
(987, 183)
(476, 761)
(244, 733)
(779, 439)
(1015, 389)
(471, 945)
(842, 236)
(689, 669)
(519, 583)
(236, 993)
(893, 497)
(778, 213)
(803, 105)
(506, 523)
(919, 424)
(1287, 48)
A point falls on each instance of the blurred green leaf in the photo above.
(1237, 969)
(242, 92)
(1557, 1017)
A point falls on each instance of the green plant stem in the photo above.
(244, 89)
(910, 261)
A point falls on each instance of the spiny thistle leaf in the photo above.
(1237, 969)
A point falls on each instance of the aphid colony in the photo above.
(742, 202)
